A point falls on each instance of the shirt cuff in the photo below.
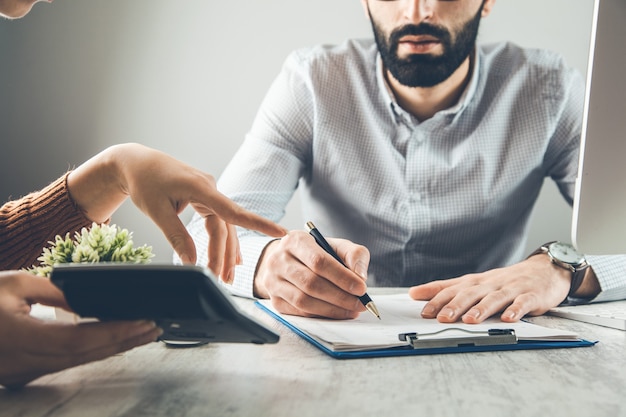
(251, 247)
(610, 271)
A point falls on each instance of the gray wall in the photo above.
(187, 77)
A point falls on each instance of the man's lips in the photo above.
(419, 43)
(419, 38)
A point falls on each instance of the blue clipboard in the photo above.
(409, 350)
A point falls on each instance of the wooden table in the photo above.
(293, 378)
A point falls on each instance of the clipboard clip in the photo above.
(477, 338)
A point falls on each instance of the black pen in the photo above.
(365, 299)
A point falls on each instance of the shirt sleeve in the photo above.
(28, 224)
(264, 173)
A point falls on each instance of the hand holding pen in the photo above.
(319, 238)
(301, 280)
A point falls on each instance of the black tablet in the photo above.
(185, 301)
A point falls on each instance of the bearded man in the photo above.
(425, 153)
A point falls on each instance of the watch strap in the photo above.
(577, 280)
(578, 274)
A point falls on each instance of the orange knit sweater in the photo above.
(28, 224)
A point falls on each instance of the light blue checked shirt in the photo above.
(430, 199)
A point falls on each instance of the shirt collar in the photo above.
(398, 113)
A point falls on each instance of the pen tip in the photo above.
(310, 226)
(371, 307)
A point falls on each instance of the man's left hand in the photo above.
(529, 287)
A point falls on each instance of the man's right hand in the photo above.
(302, 279)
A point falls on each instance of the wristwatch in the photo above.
(566, 256)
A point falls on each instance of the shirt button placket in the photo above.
(417, 185)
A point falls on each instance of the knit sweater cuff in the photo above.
(28, 224)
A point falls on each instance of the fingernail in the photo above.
(361, 270)
(159, 333)
(143, 326)
(508, 315)
(428, 311)
(446, 312)
(474, 313)
(230, 275)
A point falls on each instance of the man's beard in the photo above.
(423, 70)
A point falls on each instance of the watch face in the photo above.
(566, 253)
